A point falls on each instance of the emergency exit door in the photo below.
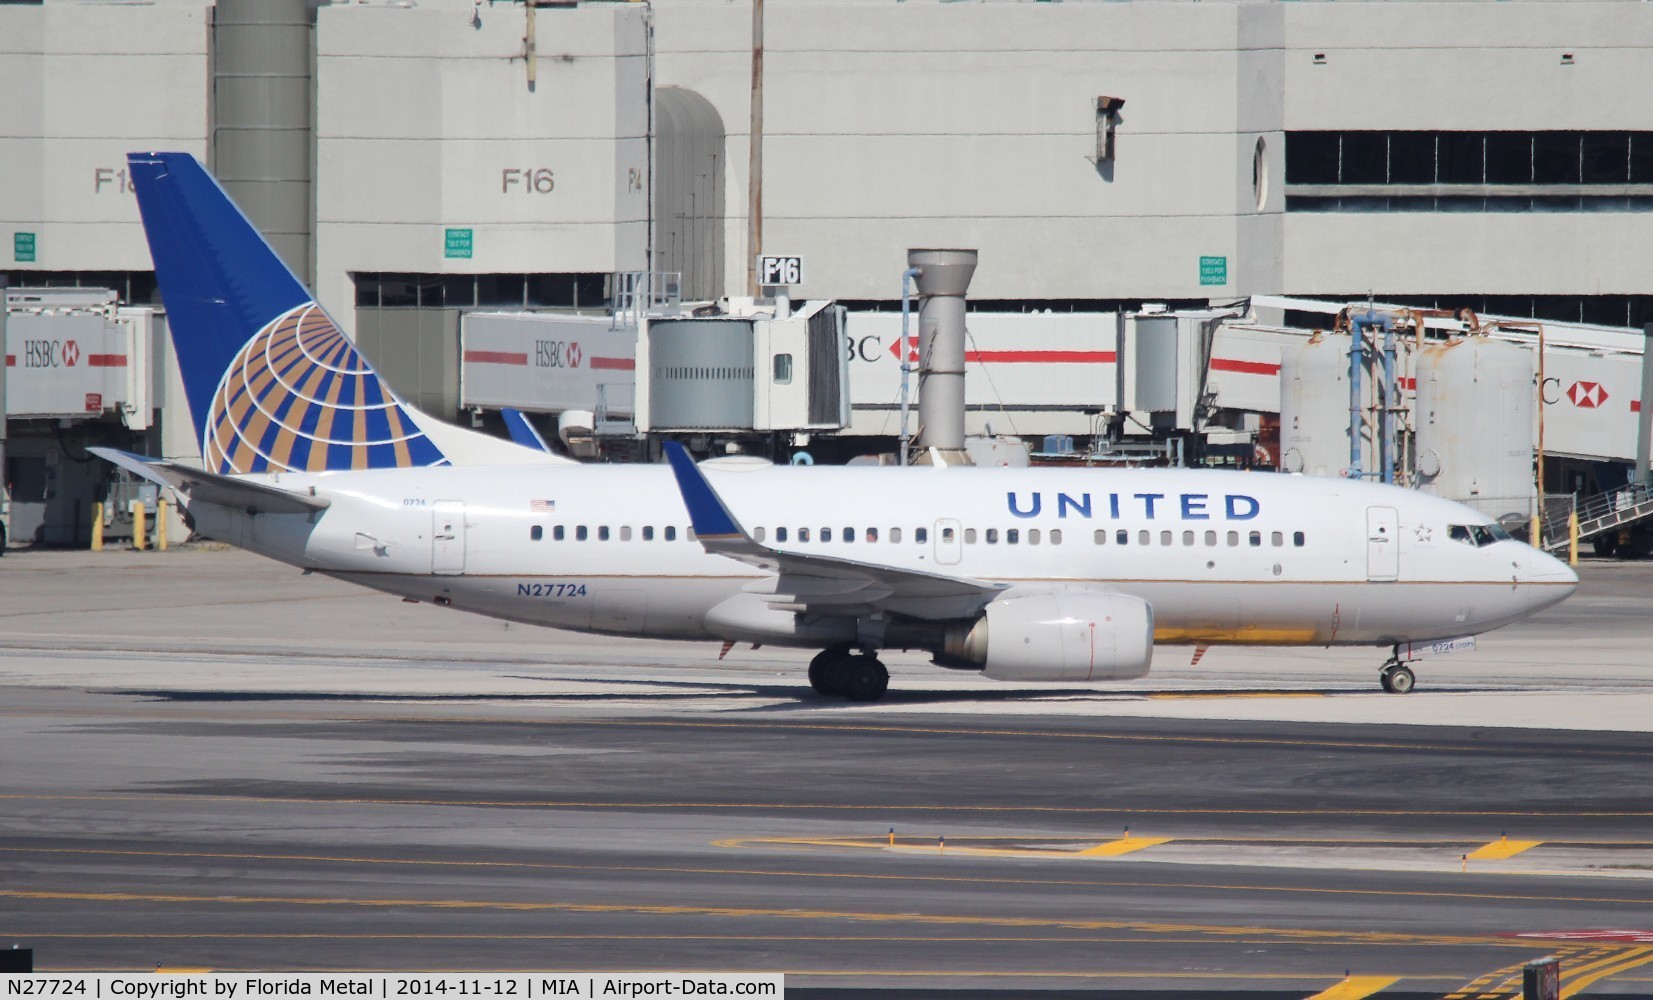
(447, 537)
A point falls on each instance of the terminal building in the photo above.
(433, 167)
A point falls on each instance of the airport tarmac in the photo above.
(213, 761)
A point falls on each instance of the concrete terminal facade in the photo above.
(417, 159)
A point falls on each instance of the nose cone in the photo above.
(1550, 581)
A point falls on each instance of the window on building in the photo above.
(783, 369)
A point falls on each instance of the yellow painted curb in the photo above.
(1498, 850)
(1124, 845)
(1356, 987)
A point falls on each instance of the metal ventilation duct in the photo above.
(943, 278)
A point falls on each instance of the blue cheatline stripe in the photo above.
(706, 511)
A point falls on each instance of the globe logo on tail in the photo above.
(300, 397)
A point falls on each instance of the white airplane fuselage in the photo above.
(1222, 557)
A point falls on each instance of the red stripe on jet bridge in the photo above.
(1244, 367)
(1041, 357)
(496, 357)
(614, 364)
(106, 360)
(1635, 406)
(11, 361)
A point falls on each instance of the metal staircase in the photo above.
(1600, 514)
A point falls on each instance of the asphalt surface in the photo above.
(211, 761)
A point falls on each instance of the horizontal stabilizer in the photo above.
(209, 487)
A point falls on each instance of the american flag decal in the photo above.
(542, 506)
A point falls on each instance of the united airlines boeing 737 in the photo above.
(1022, 574)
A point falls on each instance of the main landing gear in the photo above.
(1396, 677)
(850, 673)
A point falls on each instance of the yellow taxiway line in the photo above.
(1503, 848)
(1356, 987)
(1124, 845)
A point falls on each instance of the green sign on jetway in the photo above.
(1213, 270)
(457, 244)
(22, 248)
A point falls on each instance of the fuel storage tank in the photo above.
(1314, 408)
(1476, 425)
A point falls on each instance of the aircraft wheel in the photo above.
(1385, 679)
(824, 672)
(864, 678)
(1401, 680)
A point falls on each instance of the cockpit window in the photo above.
(1478, 535)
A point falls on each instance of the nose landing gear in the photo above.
(845, 672)
(1396, 677)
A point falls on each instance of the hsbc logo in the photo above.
(1587, 395)
(50, 354)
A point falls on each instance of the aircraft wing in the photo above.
(807, 581)
(209, 487)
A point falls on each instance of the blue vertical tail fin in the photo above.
(273, 384)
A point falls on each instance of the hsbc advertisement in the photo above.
(1591, 403)
(546, 362)
(64, 365)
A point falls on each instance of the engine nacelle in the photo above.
(1072, 636)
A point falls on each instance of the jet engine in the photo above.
(1063, 636)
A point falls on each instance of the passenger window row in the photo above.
(583, 533)
(1234, 539)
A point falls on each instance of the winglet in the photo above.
(523, 432)
(711, 519)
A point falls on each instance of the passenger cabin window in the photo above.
(780, 534)
(648, 532)
(671, 533)
(946, 534)
(1256, 538)
(556, 533)
(625, 533)
(1122, 537)
(1056, 536)
(969, 536)
(1165, 538)
(1033, 536)
(826, 534)
(1278, 539)
(1101, 536)
(1297, 539)
(922, 535)
(1012, 536)
(688, 534)
(1142, 537)
(849, 534)
(1210, 538)
(803, 534)
(992, 536)
(895, 536)
(872, 535)
(579, 533)
(1233, 538)
(602, 533)
(536, 533)
(757, 534)
(1188, 538)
